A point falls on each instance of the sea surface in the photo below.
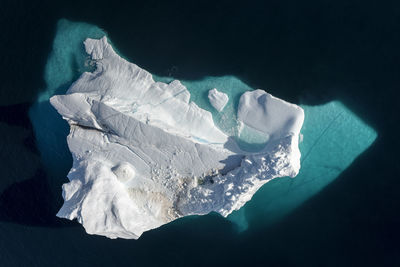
(307, 52)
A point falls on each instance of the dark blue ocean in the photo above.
(306, 52)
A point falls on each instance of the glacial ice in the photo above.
(334, 136)
(260, 111)
(217, 99)
(144, 154)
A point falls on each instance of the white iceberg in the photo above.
(144, 155)
(217, 99)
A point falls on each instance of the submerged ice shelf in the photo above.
(144, 154)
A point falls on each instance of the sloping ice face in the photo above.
(111, 169)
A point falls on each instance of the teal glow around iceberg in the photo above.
(333, 135)
(66, 62)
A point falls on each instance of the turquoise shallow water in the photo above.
(65, 64)
(333, 135)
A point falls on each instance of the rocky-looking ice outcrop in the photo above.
(144, 155)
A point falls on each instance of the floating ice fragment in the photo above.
(217, 99)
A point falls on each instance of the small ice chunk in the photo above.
(217, 99)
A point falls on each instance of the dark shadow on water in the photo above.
(30, 202)
(16, 115)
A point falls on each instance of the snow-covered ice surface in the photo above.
(333, 136)
(217, 99)
(144, 154)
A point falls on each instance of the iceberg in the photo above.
(144, 154)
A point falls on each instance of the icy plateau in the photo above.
(144, 154)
